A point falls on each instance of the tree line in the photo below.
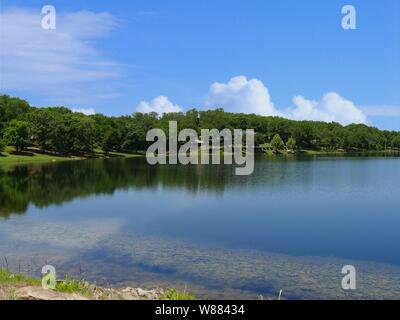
(59, 130)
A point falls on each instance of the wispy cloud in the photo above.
(88, 112)
(61, 64)
(382, 111)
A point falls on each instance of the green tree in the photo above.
(259, 139)
(72, 133)
(136, 128)
(82, 133)
(42, 122)
(2, 145)
(291, 144)
(11, 108)
(277, 143)
(111, 141)
(17, 134)
(60, 130)
(134, 139)
(396, 141)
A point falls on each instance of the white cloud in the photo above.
(55, 63)
(331, 108)
(252, 96)
(160, 105)
(88, 112)
(241, 95)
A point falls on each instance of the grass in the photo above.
(174, 294)
(311, 152)
(32, 155)
(11, 279)
(74, 286)
(9, 282)
(322, 152)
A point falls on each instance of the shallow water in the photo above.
(291, 225)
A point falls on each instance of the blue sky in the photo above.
(288, 57)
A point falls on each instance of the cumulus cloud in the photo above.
(252, 96)
(244, 95)
(55, 63)
(88, 112)
(331, 108)
(160, 105)
(241, 95)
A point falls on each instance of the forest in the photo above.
(58, 130)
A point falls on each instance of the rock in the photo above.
(97, 293)
(129, 294)
(138, 294)
(38, 293)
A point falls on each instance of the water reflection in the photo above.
(52, 184)
(56, 183)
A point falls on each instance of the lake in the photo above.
(292, 225)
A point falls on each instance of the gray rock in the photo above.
(38, 293)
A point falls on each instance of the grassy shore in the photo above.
(10, 157)
(32, 155)
(10, 283)
(330, 152)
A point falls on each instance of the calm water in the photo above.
(292, 225)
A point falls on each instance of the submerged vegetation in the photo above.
(57, 131)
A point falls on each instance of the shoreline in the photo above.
(18, 286)
(34, 156)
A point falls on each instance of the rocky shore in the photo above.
(16, 286)
(92, 293)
